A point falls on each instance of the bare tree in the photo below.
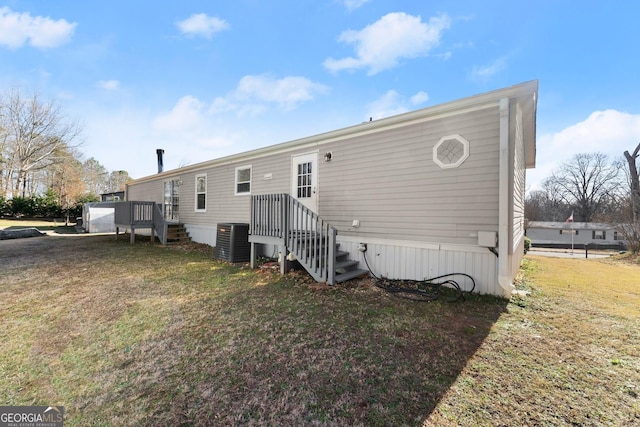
(95, 176)
(634, 182)
(626, 218)
(65, 178)
(32, 132)
(589, 183)
(98, 180)
(118, 180)
(545, 205)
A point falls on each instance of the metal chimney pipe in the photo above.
(160, 152)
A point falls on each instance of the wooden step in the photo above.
(352, 274)
(177, 233)
(344, 265)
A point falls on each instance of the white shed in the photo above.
(98, 217)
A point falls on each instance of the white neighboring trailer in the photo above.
(552, 234)
(434, 191)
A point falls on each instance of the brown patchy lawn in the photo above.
(148, 335)
(568, 355)
(152, 335)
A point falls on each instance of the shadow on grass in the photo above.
(286, 350)
(230, 346)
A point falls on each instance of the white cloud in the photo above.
(18, 29)
(186, 143)
(610, 132)
(384, 43)
(445, 56)
(352, 5)
(389, 104)
(202, 25)
(254, 93)
(190, 122)
(194, 122)
(419, 98)
(221, 105)
(487, 71)
(392, 103)
(185, 116)
(108, 84)
(287, 92)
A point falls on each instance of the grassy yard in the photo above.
(152, 335)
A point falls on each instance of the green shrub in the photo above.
(527, 244)
(21, 206)
(4, 207)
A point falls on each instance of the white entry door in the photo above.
(304, 180)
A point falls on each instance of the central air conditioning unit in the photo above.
(232, 242)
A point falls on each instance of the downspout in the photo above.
(504, 264)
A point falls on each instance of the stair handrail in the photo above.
(312, 240)
(160, 225)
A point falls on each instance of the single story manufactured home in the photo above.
(422, 194)
(550, 234)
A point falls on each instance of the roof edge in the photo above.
(529, 88)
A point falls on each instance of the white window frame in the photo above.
(235, 188)
(599, 235)
(197, 193)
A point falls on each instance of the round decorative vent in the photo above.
(451, 151)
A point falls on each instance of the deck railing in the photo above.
(134, 214)
(269, 215)
(303, 232)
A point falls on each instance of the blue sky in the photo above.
(204, 79)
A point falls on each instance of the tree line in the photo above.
(41, 163)
(590, 187)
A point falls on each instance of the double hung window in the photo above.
(243, 180)
(201, 193)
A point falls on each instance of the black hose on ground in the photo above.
(423, 290)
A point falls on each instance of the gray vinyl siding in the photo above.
(389, 182)
(519, 174)
(222, 204)
(149, 191)
(384, 178)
